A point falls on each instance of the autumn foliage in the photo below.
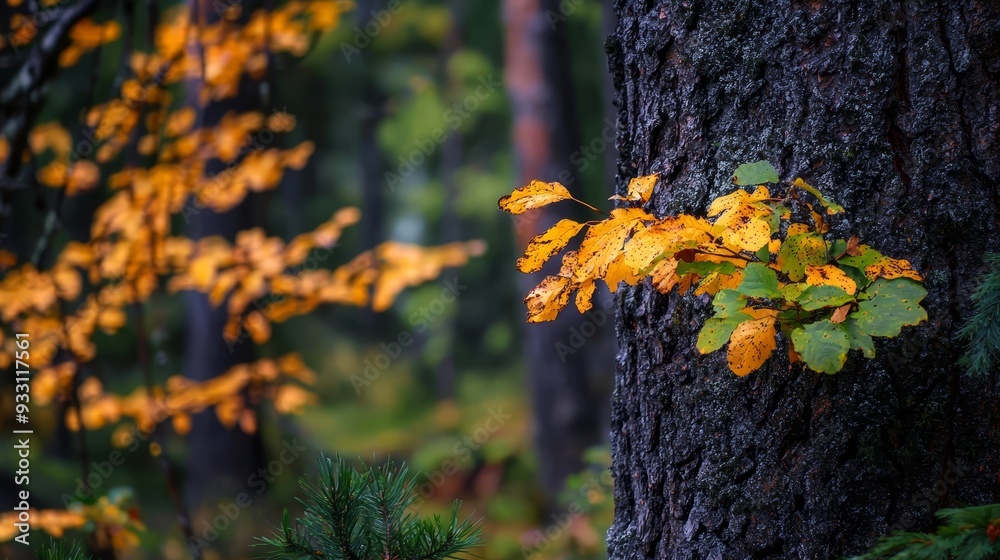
(149, 151)
(765, 271)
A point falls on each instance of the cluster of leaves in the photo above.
(764, 271)
(971, 533)
(364, 516)
(982, 331)
(114, 513)
(233, 395)
(132, 250)
(151, 152)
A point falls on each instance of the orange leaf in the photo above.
(750, 345)
(541, 247)
(535, 195)
(830, 275)
(547, 299)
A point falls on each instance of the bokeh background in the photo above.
(423, 114)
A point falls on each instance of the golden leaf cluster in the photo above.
(114, 522)
(764, 272)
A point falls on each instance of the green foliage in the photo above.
(982, 331)
(889, 305)
(823, 344)
(971, 533)
(364, 516)
(755, 173)
(53, 549)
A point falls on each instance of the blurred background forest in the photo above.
(423, 113)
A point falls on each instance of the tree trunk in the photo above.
(891, 109)
(565, 404)
(219, 459)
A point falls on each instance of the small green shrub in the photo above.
(354, 515)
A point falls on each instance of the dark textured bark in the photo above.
(892, 109)
(565, 404)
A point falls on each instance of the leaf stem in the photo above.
(589, 206)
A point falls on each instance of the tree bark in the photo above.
(892, 109)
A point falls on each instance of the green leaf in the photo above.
(773, 219)
(832, 207)
(763, 254)
(728, 302)
(859, 339)
(702, 268)
(822, 345)
(858, 276)
(717, 330)
(837, 248)
(866, 258)
(889, 305)
(792, 292)
(759, 281)
(755, 173)
(818, 297)
(800, 250)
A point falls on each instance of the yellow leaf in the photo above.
(716, 282)
(534, 195)
(258, 327)
(541, 247)
(830, 275)
(290, 399)
(664, 276)
(585, 296)
(742, 227)
(732, 200)
(821, 226)
(890, 268)
(751, 344)
(83, 176)
(665, 236)
(180, 121)
(547, 299)
(604, 240)
(181, 423)
(620, 271)
(641, 188)
(297, 157)
(795, 229)
(760, 193)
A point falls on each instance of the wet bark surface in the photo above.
(892, 109)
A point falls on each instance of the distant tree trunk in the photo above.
(566, 408)
(893, 109)
(445, 373)
(220, 459)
